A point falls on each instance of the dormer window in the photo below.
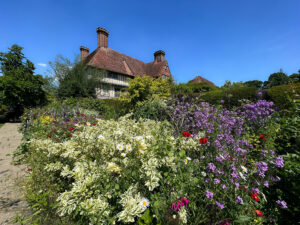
(166, 67)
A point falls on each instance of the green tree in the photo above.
(276, 79)
(75, 79)
(19, 87)
(254, 83)
(295, 77)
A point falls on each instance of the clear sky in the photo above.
(235, 40)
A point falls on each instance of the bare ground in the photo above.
(11, 200)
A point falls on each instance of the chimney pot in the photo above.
(102, 37)
(84, 52)
(159, 56)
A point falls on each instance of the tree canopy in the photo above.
(19, 87)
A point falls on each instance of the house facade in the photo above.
(120, 68)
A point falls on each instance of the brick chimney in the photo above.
(102, 40)
(159, 56)
(84, 52)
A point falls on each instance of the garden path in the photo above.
(11, 201)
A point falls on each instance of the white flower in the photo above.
(242, 176)
(123, 154)
(88, 124)
(139, 138)
(120, 147)
(187, 160)
(174, 216)
(244, 169)
(128, 148)
(144, 203)
(203, 173)
(118, 132)
(100, 137)
(141, 151)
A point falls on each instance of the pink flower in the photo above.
(180, 203)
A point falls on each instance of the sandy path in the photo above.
(10, 197)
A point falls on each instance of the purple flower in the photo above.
(259, 94)
(224, 187)
(209, 194)
(210, 167)
(266, 184)
(262, 167)
(282, 204)
(239, 200)
(275, 179)
(235, 175)
(216, 181)
(279, 161)
(222, 101)
(220, 205)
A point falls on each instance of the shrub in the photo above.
(144, 88)
(284, 95)
(154, 109)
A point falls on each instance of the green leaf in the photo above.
(242, 219)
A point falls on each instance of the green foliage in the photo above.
(154, 109)
(231, 96)
(295, 77)
(228, 84)
(254, 83)
(19, 87)
(284, 95)
(276, 79)
(143, 88)
(189, 88)
(75, 79)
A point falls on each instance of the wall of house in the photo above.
(111, 84)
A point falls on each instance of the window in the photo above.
(166, 67)
(164, 76)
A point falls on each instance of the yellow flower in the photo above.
(88, 124)
(100, 137)
(112, 167)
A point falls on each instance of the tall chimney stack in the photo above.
(84, 52)
(102, 39)
(159, 56)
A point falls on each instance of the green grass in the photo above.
(1, 124)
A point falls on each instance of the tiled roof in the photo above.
(109, 59)
(199, 79)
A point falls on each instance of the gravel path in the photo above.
(10, 195)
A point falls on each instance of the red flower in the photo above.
(262, 136)
(46, 123)
(49, 135)
(70, 129)
(53, 121)
(186, 134)
(69, 135)
(94, 124)
(28, 170)
(203, 140)
(259, 213)
(254, 197)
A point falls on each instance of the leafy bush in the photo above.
(230, 97)
(154, 109)
(284, 95)
(143, 88)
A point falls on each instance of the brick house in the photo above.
(120, 68)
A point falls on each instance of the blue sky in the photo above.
(235, 40)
